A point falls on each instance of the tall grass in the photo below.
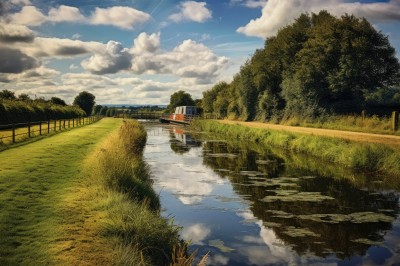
(368, 124)
(121, 188)
(363, 156)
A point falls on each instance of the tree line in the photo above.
(318, 66)
(23, 109)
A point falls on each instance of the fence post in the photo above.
(64, 124)
(363, 115)
(59, 125)
(69, 123)
(13, 133)
(48, 127)
(40, 128)
(395, 121)
(55, 125)
(29, 130)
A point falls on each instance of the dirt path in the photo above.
(356, 136)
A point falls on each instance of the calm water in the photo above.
(250, 206)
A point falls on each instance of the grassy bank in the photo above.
(84, 197)
(33, 180)
(362, 156)
(116, 191)
(370, 124)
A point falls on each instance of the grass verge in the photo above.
(33, 180)
(364, 156)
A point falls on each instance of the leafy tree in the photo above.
(24, 97)
(85, 101)
(58, 101)
(104, 110)
(7, 95)
(180, 98)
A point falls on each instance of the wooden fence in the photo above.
(13, 133)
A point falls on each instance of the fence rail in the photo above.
(13, 133)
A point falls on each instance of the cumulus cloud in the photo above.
(113, 59)
(278, 13)
(192, 11)
(13, 61)
(189, 60)
(56, 47)
(29, 15)
(10, 33)
(195, 233)
(119, 16)
(65, 14)
(21, 2)
(146, 43)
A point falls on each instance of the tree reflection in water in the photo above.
(304, 224)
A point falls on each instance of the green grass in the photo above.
(21, 134)
(33, 179)
(370, 124)
(362, 156)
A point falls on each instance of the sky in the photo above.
(141, 51)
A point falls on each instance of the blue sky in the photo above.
(140, 51)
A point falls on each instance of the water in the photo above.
(250, 206)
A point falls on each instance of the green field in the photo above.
(33, 181)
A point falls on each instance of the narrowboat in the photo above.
(182, 115)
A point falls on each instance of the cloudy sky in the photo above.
(141, 51)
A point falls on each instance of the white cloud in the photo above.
(195, 233)
(10, 33)
(192, 11)
(56, 47)
(146, 43)
(119, 16)
(73, 67)
(21, 2)
(278, 13)
(65, 14)
(29, 15)
(111, 60)
(194, 62)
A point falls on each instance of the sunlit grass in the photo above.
(22, 133)
(33, 180)
(362, 156)
(368, 124)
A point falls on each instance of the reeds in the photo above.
(123, 191)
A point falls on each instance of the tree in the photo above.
(85, 101)
(7, 95)
(58, 101)
(180, 98)
(24, 97)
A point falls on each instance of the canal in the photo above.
(246, 205)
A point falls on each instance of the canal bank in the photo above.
(248, 206)
(363, 156)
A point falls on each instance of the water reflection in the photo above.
(251, 206)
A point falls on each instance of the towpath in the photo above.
(350, 135)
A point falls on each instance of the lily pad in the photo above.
(218, 243)
(299, 232)
(294, 195)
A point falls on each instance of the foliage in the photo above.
(320, 65)
(17, 111)
(85, 101)
(180, 98)
(57, 100)
(7, 95)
